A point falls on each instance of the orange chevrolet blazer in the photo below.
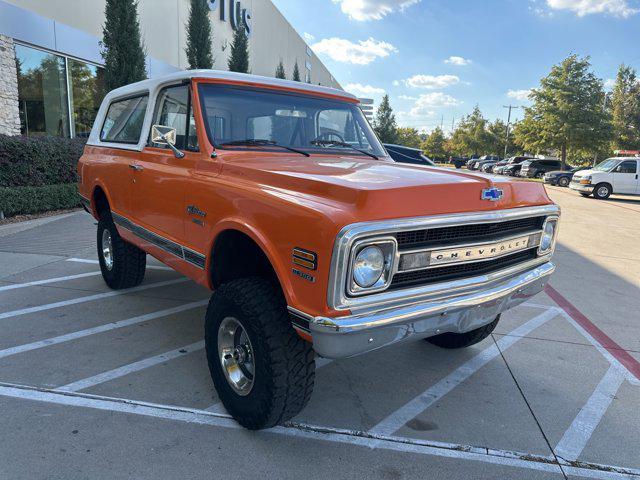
(279, 197)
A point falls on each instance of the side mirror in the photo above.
(166, 136)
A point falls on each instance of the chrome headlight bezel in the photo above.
(552, 220)
(389, 247)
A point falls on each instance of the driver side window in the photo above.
(341, 126)
(628, 166)
(173, 109)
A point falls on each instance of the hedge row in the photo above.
(38, 161)
(25, 200)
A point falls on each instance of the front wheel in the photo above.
(122, 265)
(602, 191)
(262, 370)
(563, 182)
(452, 340)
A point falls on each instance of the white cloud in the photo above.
(308, 37)
(407, 97)
(432, 82)
(458, 61)
(522, 95)
(360, 90)
(618, 8)
(428, 101)
(396, 83)
(609, 83)
(363, 10)
(361, 53)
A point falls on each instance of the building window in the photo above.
(42, 93)
(87, 92)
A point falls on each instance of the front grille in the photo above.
(452, 272)
(472, 233)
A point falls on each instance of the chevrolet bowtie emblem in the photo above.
(493, 194)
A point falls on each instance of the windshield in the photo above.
(304, 122)
(607, 165)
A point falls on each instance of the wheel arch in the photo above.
(239, 250)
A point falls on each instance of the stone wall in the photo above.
(9, 115)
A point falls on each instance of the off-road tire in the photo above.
(462, 340)
(284, 363)
(129, 262)
(563, 182)
(598, 195)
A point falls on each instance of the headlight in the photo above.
(585, 180)
(372, 265)
(368, 266)
(548, 238)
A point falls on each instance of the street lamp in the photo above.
(506, 143)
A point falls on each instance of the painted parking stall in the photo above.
(417, 401)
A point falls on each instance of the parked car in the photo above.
(501, 168)
(562, 178)
(614, 175)
(487, 166)
(314, 243)
(403, 154)
(536, 168)
(458, 162)
(471, 161)
(485, 158)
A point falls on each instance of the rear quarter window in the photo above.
(124, 120)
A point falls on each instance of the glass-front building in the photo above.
(57, 95)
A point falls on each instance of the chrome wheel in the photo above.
(236, 355)
(107, 249)
(603, 191)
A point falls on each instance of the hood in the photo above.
(559, 172)
(584, 173)
(378, 189)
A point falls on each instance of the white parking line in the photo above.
(575, 439)
(413, 408)
(96, 262)
(311, 432)
(27, 347)
(131, 368)
(48, 280)
(89, 298)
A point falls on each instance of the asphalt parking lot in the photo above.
(102, 384)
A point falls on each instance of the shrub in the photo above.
(38, 161)
(25, 200)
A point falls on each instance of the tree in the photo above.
(496, 136)
(568, 111)
(199, 36)
(409, 137)
(296, 72)
(435, 145)
(122, 49)
(239, 59)
(384, 123)
(280, 71)
(471, 136)
(625, 110)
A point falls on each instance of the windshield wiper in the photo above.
(329, 143)
(258, 142)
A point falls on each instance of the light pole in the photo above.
(506, 143)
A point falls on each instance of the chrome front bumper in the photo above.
(351, 335)
(581, 188)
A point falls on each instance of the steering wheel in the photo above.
(328, 134)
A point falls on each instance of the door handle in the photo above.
(137, 168)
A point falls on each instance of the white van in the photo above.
(614, 175)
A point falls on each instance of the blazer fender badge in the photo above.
(306, 276)
(193, 210)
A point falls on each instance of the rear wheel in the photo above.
(262, 370)
(602, 191)
(563, 181)
(123, 265)
(462, 340)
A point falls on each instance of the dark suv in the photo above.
(536, 168)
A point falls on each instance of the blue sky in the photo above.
(440, 58)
